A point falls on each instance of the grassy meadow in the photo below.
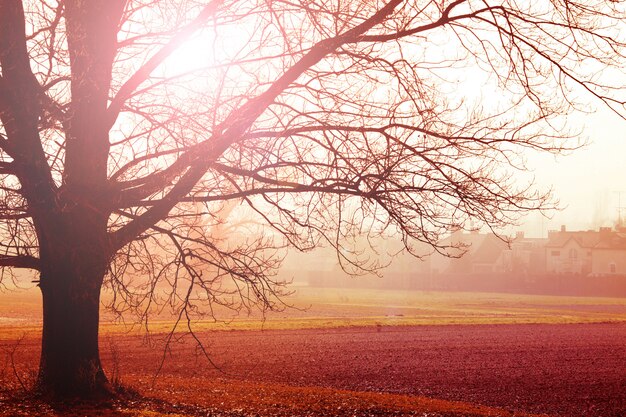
(20, 311)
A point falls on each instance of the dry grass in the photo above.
(20, 312)
(269, 399)
(175, 396)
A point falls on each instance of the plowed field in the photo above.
(550, 367)
(565, 370)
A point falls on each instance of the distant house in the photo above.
(484, 253)
(488, 254)
(528, 255)
(570, 252)
(592, 252)
(481, 261)
(609, 254)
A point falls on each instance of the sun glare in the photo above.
(207, 49)
(194, 54)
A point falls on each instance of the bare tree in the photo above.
(318, 120)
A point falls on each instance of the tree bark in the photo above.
(70, 286)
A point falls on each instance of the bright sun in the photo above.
(207, 49)
(196, 53)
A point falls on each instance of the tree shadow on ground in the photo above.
(21, 403)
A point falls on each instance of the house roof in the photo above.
(531, 240)
(483, 248)
(585, 239)
(589, 239)
(489, 250)
(529, 243)
(615, 240)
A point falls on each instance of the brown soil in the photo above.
(561, 370)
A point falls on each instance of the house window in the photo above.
(612, 267)
(556, 253)
(573, 253)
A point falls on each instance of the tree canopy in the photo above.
(130, 130)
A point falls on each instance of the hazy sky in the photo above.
(587, 182)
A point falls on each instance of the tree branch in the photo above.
(20, 111)
(19, 261)
(204, 154)
(143, 73)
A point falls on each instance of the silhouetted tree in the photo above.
(313, 121)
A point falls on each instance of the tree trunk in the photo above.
(70, 360)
